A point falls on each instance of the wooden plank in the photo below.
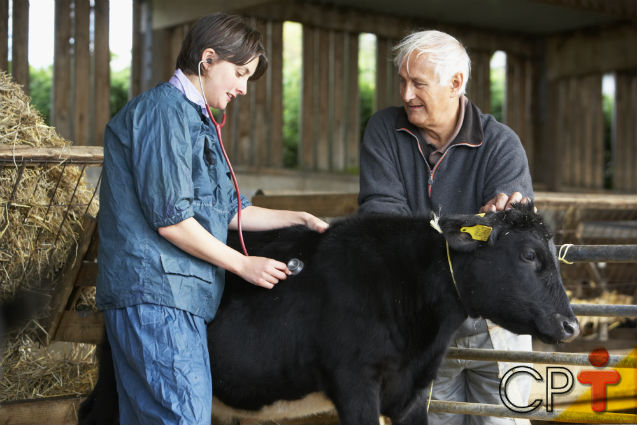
(61, 110)
(51, 410)
(323, 205)
(339, 204)
(625, 131)
(87, 275)
(322, 93)
(102, 75)
(338, 110)
(80, 154)
(352, 105)
(81, 326)
(479, 84)
(137, 55)
(307, 139)
(357, 20)
(381, 93)
(260, 138)
(64, 286)
(82, 73)
(4, 35)
(20, 44)
(276, 94)
(614, 48)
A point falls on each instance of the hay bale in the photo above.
(42, 207)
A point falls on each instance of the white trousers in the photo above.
(479, 381)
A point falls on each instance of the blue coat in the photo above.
(162, 165)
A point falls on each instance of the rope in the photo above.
(562, 254)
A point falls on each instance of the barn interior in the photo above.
(563, 58)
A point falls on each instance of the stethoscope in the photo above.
(218, 128)
(294, 265)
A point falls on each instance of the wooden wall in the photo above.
(81, 78)
(625, 160)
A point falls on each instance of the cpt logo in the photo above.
(597, 379)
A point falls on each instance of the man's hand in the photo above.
(502, 201)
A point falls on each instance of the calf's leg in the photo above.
(101, 407)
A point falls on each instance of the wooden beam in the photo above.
(20, 44)
(102, 82)
(64, 286)
(80, 154)
(81, 112)
(61, 102)
(621, 8)
(81, 326)
(341, 204)
(52, 410)
(358, 20)
(4, 35)
(588, 52)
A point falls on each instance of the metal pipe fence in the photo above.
(464, 408)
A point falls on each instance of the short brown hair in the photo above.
(229, 36)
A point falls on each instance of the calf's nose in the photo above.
(570, 328)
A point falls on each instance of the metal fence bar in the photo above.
(539, 415)
(578, 359)
(606, 310)
(600, 253)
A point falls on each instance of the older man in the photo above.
(439, 153)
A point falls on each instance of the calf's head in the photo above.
(507, 271)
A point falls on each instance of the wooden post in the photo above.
(338, 109)
(352, 105)
(81, 113)
(276, 94)
(20, 45)
(625, 131)
(4, 35)
(479, 84)
(259, 115)
(138, 44)
(322, 93)
(61, 101)
(102, 83)
(308, 114)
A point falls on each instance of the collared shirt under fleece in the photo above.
(162, 165)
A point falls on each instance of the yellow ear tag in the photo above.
(478, 232)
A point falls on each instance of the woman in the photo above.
(166, 203)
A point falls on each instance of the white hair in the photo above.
(447, 54)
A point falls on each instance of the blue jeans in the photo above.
(161, 364)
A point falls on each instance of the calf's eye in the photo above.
(528, 255)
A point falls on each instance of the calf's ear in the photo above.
(462, 234)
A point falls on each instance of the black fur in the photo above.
(369, 318)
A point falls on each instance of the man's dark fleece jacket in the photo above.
(485, 158)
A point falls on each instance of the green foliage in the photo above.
(292, 68)
(498, 80)
(366, 79)
(40, 81)
(120, 83)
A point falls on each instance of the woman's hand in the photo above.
(264, 272)
(313, 223)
